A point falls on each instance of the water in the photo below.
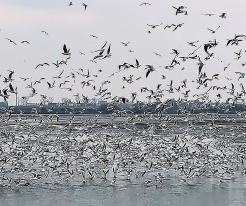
(49, 172)
(231, 194)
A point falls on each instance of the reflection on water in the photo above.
(208, 192)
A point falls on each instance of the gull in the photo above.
(125, 65)
(109, 54)
(63, 83)
(226, 66)
(209, 45)
(177, 26)
(125, 43)
(223, 15)
(186, 93)
(82, 53)
(215, 76)
(180, 10)
(208, 14)
(65, 61)
(137, 65)
(33, 92)
(213, 31)
(153, 26)
(178, 89)
(46, 33)
(169, 26)
(85, 6)
(103, 46)
(241, 75)
(97, 56)
(27, 42)
(37, 82)
(68, 88)
(5, 94)
(41, 65)
(158, 86)
(9, 79)
(157, 54)
(109, 49)
(10, 75)
(163, 76)
(192, 43)
(94, 36)
(10, 40)
(145, 4)
(123, 99)
(24, 78)
(238, 54)
(65, 50)
(242, 87)
(150, 69)
(235, 40)
(56, 64)
(175, 51)
(11, 88)
(93, 61)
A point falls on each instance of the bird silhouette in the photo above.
(85, 6)
(65, 50)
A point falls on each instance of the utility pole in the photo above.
(16, 97)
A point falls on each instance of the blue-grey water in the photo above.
(224, 194)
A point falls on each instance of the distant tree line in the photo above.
(171, 106)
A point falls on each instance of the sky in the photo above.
(115, 21)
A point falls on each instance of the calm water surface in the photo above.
(209, 193)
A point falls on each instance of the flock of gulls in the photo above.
(149, 150)
(121, 149)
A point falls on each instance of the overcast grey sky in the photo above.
(115, 21)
